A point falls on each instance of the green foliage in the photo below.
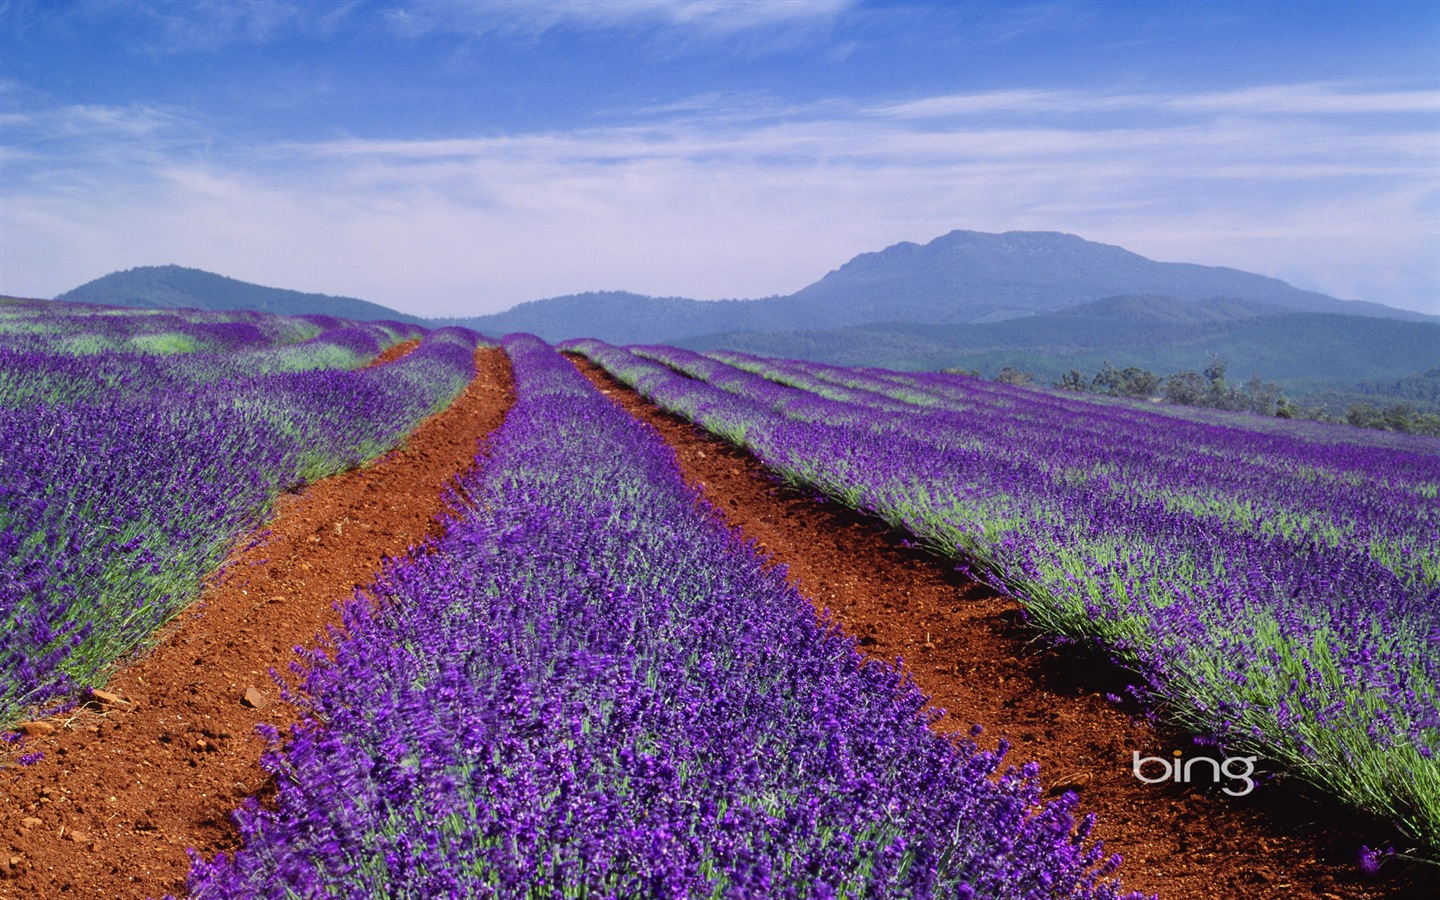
(1185, 388)
(170, 342)
(1423, 388)
(1131, 381)
(1012, 375)
(1418, 394)
(1395, 417)
(1211, 390)
(1208, 389)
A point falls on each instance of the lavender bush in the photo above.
(125, 474)
(591, 688)
(1276, 587)
(63, 353)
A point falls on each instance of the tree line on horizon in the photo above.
(1211, 389)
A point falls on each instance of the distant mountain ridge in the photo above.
(1171, 310)
(176, 287)
(1041, 301)
(618, 317)
(1302, 351)
(958, 278)
(964, 276)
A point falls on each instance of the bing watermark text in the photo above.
(1158, 769)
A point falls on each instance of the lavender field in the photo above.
(137, 445)
(1275, 585)
(591, 688)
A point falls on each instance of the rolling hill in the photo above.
(176, 287)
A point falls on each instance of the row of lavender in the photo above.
(593, 688)
(1298, 480)
(128, 472)
(63, 353)
(1277, 591)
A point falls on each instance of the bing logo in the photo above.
(1184, 771)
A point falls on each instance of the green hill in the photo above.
(176, 287)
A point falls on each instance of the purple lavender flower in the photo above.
(591, 686)
(1274, 583)
(137, 446)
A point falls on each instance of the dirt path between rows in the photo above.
(125, 787)
(971, 652)
(398, 351)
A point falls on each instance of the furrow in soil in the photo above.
(970, 650)
(125, 787)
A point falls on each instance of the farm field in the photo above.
(579, 680)
(137, 447)
(986, 665)
(1278, 598)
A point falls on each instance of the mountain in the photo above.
(619, 317)
(958, 278)
(175, 287)
(1302, 351)
(1171, 310)
(1041, 301)
(969, 276)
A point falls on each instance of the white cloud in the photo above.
(203, 26)
(1311, 99)
(1314, 99)
(705, 18)
(710, 200)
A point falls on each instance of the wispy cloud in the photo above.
(712, 199)
(182, 27)
(210, 24)
(1315, 99)
(66, 144)
(203, 26)
(199, 26)
(88, 121)
(1015, 21)
(705, 18)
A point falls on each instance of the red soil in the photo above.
(388, 356)
(969, 649)
(127, 785)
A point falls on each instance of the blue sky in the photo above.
(455, 158)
